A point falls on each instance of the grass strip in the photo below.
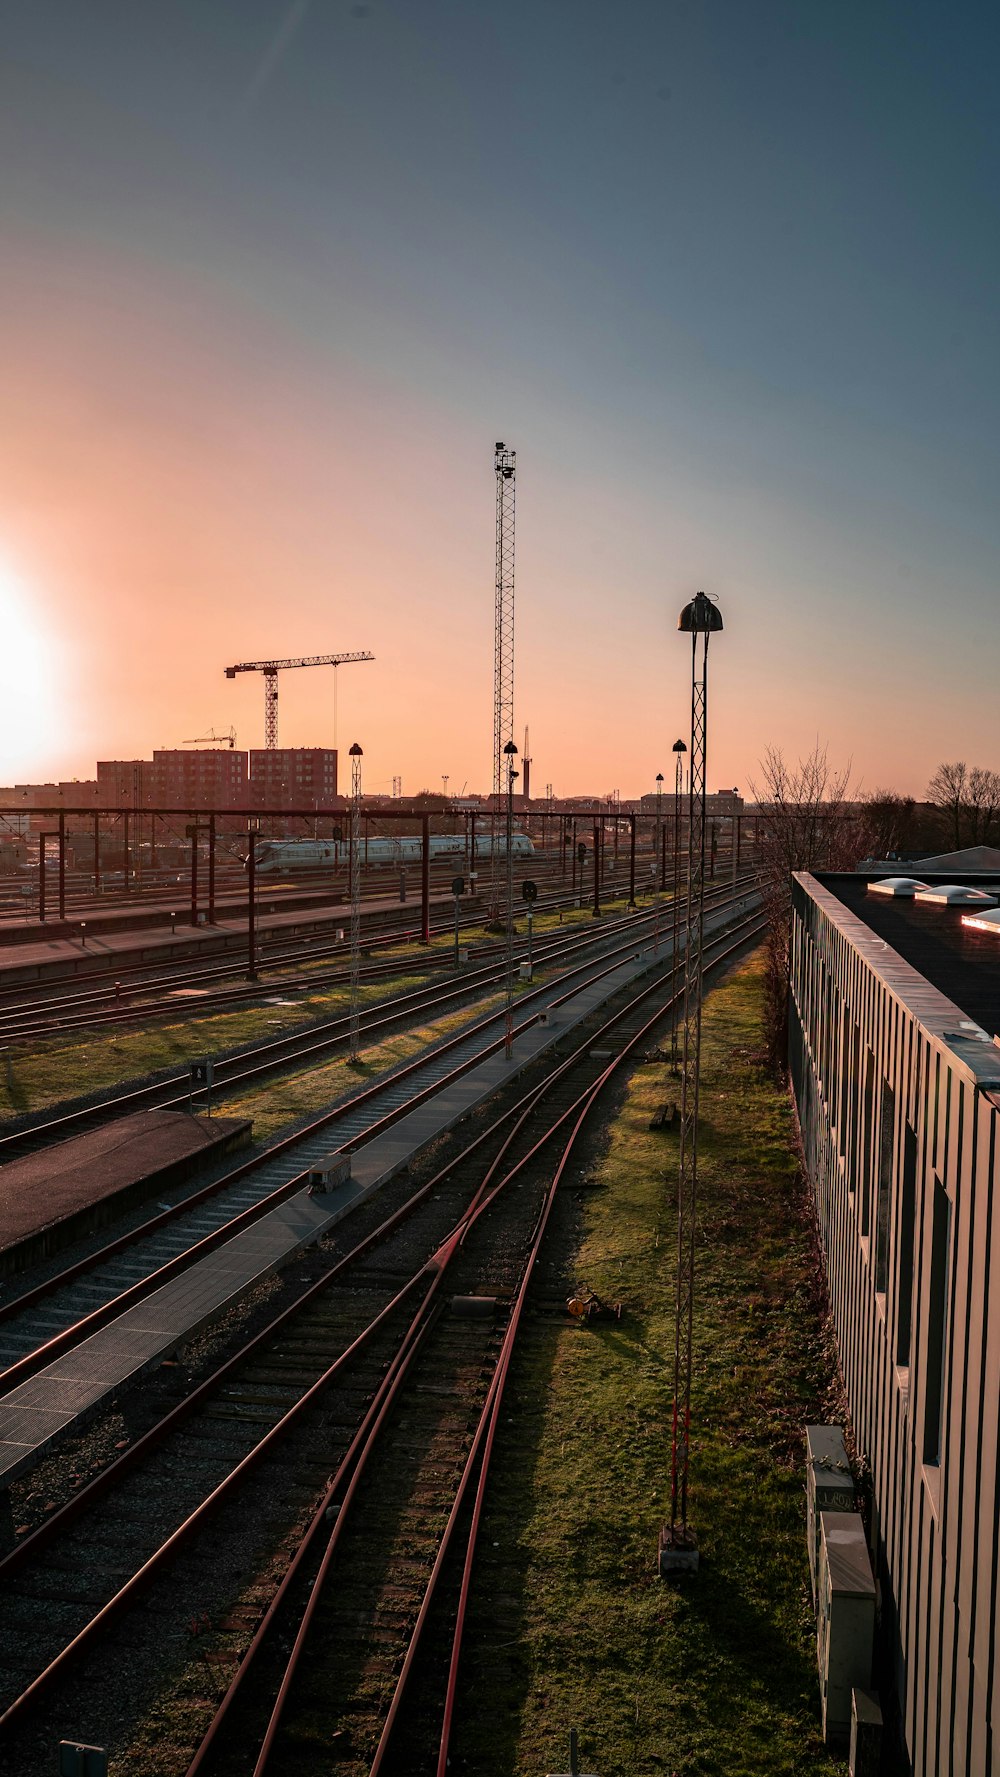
(572, 1625)
(48, 1071)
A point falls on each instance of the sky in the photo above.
(278, 274)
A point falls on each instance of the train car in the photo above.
(279, 857)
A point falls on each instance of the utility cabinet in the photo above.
(845, 1620)
(829, 1485)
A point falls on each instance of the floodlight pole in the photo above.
(678, 1544)
(510, 753)
(679, 751)
(505, 465)
(251, 898)
(355, 755)
(656, 864)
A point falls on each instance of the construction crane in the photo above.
(229, 736)
(271, 669)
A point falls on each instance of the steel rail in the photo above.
(314, 1039)
(378, 937)
(195, 1521)
(490, 1419)
(92, 1006)
(72, 1335)
(481, 1202)
(80, 1502)
(432, 1271)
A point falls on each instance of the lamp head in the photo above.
(679, 747)
(700, 617)
(356, 752)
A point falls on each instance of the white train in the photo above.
(277, 857)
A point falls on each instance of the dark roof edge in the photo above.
(944, 1022)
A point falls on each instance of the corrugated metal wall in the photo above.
(900, 1138)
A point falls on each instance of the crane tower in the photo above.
(271, 669)
(504, 463)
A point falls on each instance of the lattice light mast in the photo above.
(678, 1543)
(356, 755)
(504, 463)
(675, 956)
(657, 849)
(510, 777)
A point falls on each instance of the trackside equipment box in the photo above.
(829, 1485)
(846, 1620)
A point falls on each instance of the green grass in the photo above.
(65, 1067)
(716, 1673)
(51, 1070)
(274, 1107)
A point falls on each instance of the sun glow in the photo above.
(28, 723)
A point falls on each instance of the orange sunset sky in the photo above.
(273, 288)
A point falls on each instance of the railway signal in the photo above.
(529, 894)
(458, 890)
(201, 1074)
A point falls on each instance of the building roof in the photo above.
(963, 964)
(974, 857)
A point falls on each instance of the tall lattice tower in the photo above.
(504, 464)
(678, 1545)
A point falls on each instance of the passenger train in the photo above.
(276, 857)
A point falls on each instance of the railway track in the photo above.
(257, 1062)
(89, 1007)
(42, 1323)
(320, 1490)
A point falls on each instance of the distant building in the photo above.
(293, 777)
(720, 805)
(198, 777)
(124, 783)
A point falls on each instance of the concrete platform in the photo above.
(34, 1415)
(54, 958)
(49, 1199)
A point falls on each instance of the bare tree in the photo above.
(805, 822)
(982, 798)
(947, 792)
(969, 800)
(893, 821)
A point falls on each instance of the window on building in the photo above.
(867, 1125)
(886, 1153)
(937, 1314)
(907, 1215)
